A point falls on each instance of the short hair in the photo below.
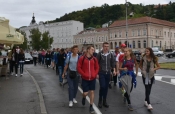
(89, 47)
(75, 46)
(105, 43)
(62, 50)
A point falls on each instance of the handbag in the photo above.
(72, 74)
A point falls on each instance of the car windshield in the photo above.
(27, 55)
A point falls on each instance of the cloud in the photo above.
(19, 12)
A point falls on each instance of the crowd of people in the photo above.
(88, 66)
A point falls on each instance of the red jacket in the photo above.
(88, 68)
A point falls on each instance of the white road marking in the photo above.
(173, 81)
(88, 99)
(159, 77)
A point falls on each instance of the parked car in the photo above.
(171, 55)
(157, 52)
(28, 58)
(137, 55)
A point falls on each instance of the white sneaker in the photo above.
(70, 103)
(21, 74)
(74, 100)
(150, 107)
(16, 75)
(145, 103)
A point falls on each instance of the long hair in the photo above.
(21, 51)
(151, 53)
(131, 54)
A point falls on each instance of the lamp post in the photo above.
(147, 28)
(126, 22)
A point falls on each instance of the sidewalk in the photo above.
(18, 95)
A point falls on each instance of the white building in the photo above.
(62, 32)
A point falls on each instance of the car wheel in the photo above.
(171, 56)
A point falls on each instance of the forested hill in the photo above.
(96, 16)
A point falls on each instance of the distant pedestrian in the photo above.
(52, 59)
(148, 65)
(61, 57)
(21, 61)
(88, 68)
(106, 62)
(127, 75)
(35, 56)
(72, 75)
(48, 58)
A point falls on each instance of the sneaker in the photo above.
(150, 107)
(21, 74)
(83, 101)
(16, 75)
(70, 104)
(74, 100)
(91, 110)
(145, 103)
(130, 107)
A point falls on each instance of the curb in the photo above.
(40, 95)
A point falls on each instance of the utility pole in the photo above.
(126, 22)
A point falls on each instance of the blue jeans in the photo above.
(104, 83)
(60, 70)
(73, 87)
(43, 58)
(21, 65)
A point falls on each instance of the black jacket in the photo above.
(61, 59)
(48, 55)
(21, 57)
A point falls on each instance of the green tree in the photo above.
(24, 45)
(46, 41)
(35, 38)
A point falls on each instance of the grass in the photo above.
(167, 65)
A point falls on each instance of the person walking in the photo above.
(35, 56)
(21, 61)
(106, 62)
(16, 58)
(88, 68)
(52, 59)
(127, 75)
(48, 58)
(148, 65)
(72, 75)
(56, 60)
(61, 63)
(12, 61)
(43, 53)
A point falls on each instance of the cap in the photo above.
(123, 45)
(116, 47)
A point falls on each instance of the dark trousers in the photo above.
(115, 79)
(16, 68)
(12, 64)
(127, 96)
(47, 62)
(34, 60)
(148, 89)
(104, 83)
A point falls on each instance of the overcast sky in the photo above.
(20, 12)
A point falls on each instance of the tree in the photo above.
(35, 38)
(46, 41)
(24, 45)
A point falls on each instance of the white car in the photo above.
(158, 53)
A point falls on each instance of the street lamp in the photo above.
(147, 27)
(126, 22)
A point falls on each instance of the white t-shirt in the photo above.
(118, 56)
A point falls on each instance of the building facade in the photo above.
(142, 32)
(62, 32)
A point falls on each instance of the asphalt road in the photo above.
(164, 59)
(56, 97)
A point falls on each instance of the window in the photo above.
(144, 44)
(120, 34)
(139, 46)
(138, 32)
(99, 39)
(160, 33)
(165, 34)
(133, 33)
(111, 35)
(115, 35)
(144, 32)
(133, 44)
(168, 34)
(160, 44)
